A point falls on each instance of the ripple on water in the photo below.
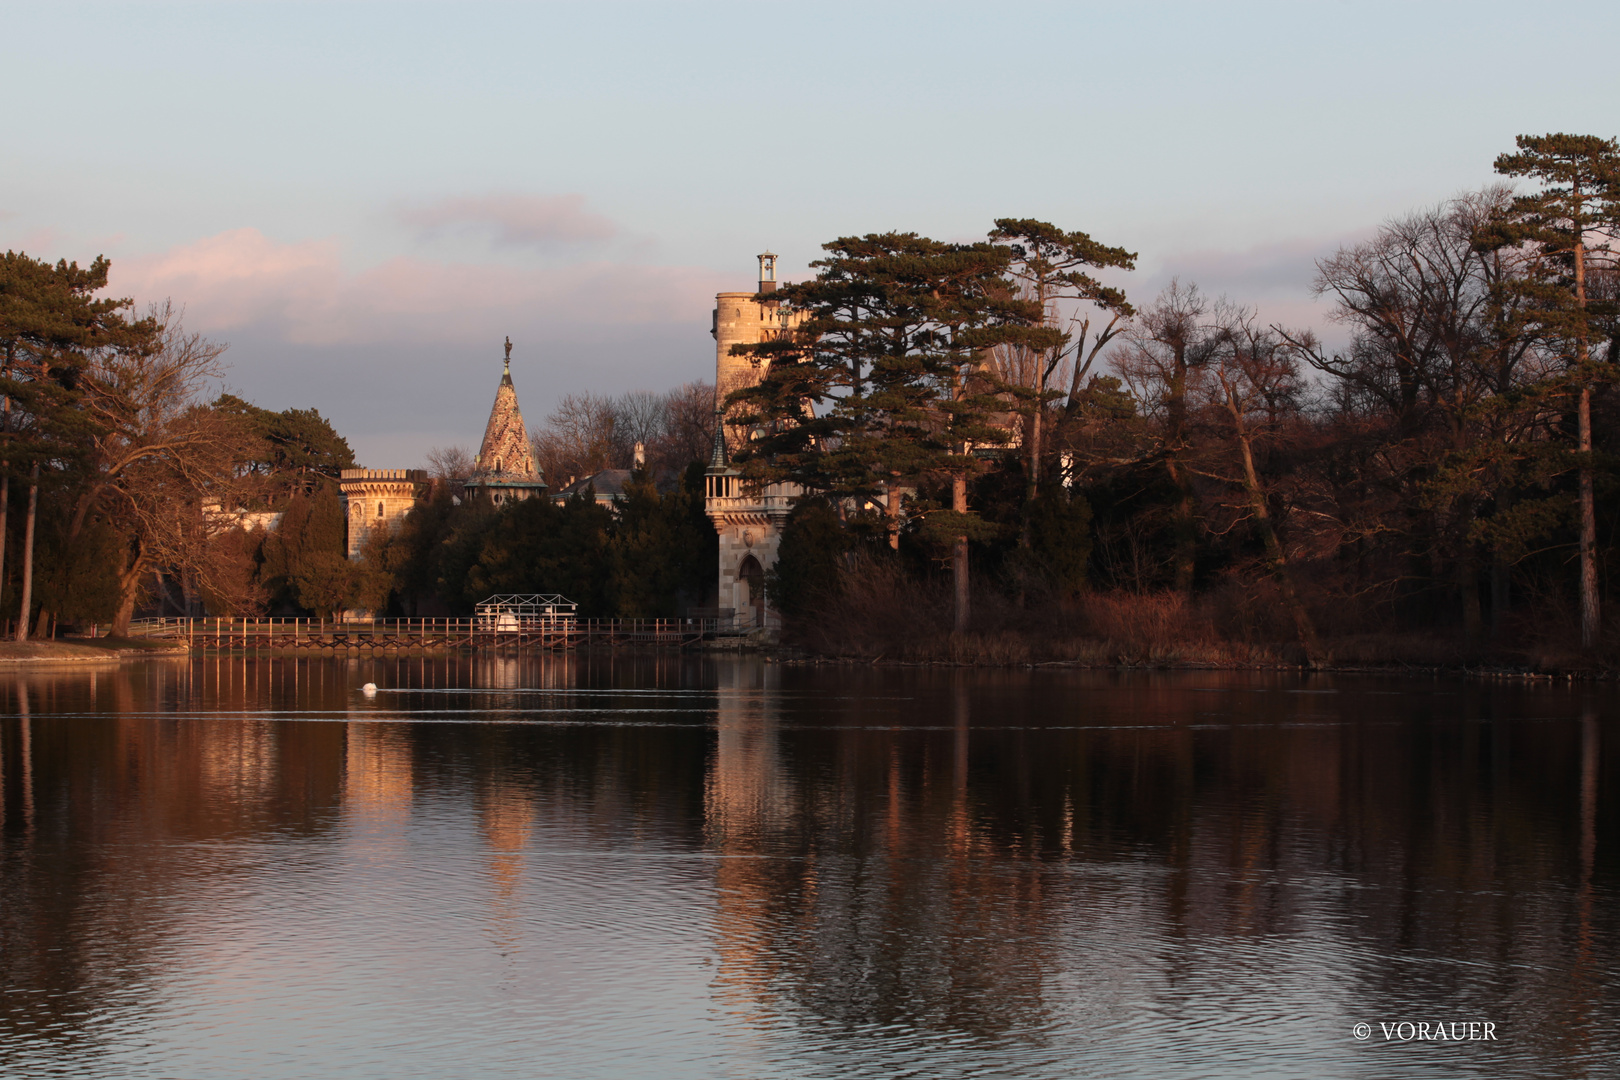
(862, 874)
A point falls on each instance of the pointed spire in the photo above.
(505, 451)
(718, 459)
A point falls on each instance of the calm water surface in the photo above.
(672, 866)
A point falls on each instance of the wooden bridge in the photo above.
(380, 635)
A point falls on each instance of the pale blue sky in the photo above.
(364, 198)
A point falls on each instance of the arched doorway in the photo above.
(752, 576)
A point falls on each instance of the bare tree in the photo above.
(1169, 345)
(689, 427)
(1449, 380)
(581, 436)
(642, 416)
(587, 433)
(162, 463)
(1256, 384)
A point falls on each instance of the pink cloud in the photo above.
(302, 293)
(515, 220)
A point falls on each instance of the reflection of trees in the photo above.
(861, 889)
(112, 822)
(875, 873)
(974, 853)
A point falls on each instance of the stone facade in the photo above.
(740, 319)
(379, 498)
(504, 470)
(749, 519)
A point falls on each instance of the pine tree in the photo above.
(1571, 221)
(50, 324)
(883, 383)
(1050, 267)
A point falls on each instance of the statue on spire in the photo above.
(509, 353)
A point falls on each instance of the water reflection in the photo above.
(639, 862)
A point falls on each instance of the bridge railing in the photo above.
(476, 629)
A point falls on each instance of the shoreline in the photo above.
(117, 651)
(1391, 669)
(82, 651)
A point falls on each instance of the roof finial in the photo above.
(509, 355)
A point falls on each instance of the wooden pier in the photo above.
(339, 637)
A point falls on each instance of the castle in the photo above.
(748, 518)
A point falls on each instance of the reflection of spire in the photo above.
(504, 818)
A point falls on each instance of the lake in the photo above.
(680, 865)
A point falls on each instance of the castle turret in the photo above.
(505, 469)
(741, 318)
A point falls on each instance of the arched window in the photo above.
(379, 509)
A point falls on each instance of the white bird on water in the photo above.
(369, 689)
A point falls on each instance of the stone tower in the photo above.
(504, 470)
(749, 518)
(741, 319)
(378, 499)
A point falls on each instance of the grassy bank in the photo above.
(80, 650)
(888, 619)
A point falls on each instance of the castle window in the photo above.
(379, 509)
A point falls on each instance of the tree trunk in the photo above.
(27, 601)
(1306, 629)
(1591, 615)
(1032, 481)
(1185, 524)
(129, 589)
(5, 506)
(1501, 599)
(959, 562)
(893, 511)
(1466, 576)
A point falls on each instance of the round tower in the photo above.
(742, 318)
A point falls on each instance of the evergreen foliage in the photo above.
(808, 574)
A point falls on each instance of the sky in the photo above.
(365, 199)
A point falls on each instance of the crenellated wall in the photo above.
(379, 498)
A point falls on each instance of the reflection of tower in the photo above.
(748, 802)
(748, 795)
(504, 817)
(377, 775)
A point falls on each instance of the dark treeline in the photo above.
(649, 554)
(1183, 479)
